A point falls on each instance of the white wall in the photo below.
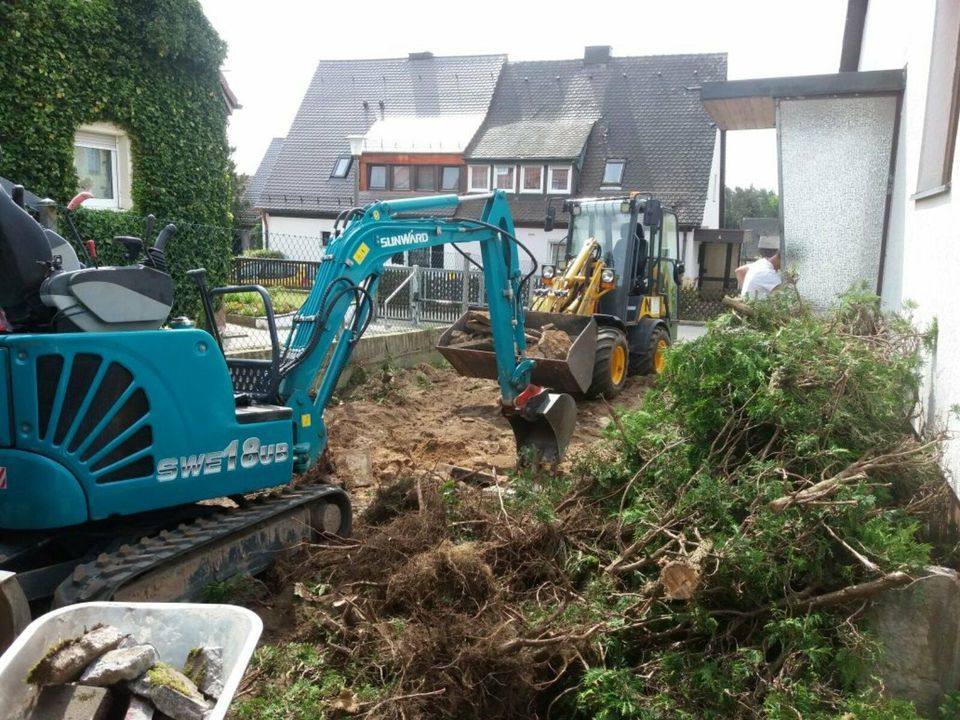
(923, 257)
(711, 209)
(296, 237)
(535, 239)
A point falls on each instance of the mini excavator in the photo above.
(116, 423)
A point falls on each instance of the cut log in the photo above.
(681, 578)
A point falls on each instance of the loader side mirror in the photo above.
(549, 219)
(652, 213)
(678, 270)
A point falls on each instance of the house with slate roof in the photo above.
(369, 129)
(602, 126)
(595, 126)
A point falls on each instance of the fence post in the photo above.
(465, 291)
(415, 295)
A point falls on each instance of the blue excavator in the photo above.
(116, 423)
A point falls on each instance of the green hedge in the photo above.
(147, 66)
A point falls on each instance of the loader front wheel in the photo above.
(653, 360)
(610, 366)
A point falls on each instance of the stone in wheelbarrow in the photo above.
(65, 661)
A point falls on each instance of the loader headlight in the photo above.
(548, 272)
(608, 276)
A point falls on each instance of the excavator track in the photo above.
(176, 565)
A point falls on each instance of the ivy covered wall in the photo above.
(151, 68)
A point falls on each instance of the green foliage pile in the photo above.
(714, 558)
(148, 66)
(250, 304)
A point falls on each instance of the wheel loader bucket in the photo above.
(475, 358)
(543, 428)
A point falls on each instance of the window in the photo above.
(940, 117)
(506, 177)
(95, 158)
(378, 177)
(426, 177)
(559, 179)
(401, 177)
(450, 180)
(479, 178)
(341, 167)
(531, 179)
(613, 173)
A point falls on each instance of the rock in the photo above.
(119, 665)
(65, 662)
(72, 702)
(356, 466)
(139, 709)
(919, 628)
(205, 667)
(172, 692)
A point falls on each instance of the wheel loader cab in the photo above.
(43, 288)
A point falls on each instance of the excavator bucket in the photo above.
(573, 373)
(543, 428)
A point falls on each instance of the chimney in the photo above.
(420, 56)
(596, 54)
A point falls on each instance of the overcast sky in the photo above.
(274, 47)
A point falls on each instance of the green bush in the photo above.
(150, 67)
(265, 253)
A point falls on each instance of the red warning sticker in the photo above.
(3, 478)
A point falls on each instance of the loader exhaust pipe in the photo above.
(543, 423)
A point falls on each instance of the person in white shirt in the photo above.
(759, 278)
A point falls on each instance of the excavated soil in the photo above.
(395, 423)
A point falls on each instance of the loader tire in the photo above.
(651, 362)
(610, 366)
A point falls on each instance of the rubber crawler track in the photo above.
(103, 577)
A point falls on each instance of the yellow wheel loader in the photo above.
(616, 296)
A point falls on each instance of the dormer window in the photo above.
(378, 177)
(341, 168)
(613, 173)
(506, 177)
(531, 179)
(559, 180)
(479, 178)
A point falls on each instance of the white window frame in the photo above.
(531, 191)
(111, 143)
(550, 171)
(513, 185)
(470, 186)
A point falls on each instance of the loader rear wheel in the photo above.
(610, 366)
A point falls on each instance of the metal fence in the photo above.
(413, 295)
(429, 288)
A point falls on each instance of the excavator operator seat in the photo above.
(109, 299)
(25, 261)
(41, 291)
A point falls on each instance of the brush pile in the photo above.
(712, 558)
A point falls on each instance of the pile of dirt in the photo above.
(398, 422)
(710, 559)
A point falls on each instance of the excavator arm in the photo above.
(341, 304)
